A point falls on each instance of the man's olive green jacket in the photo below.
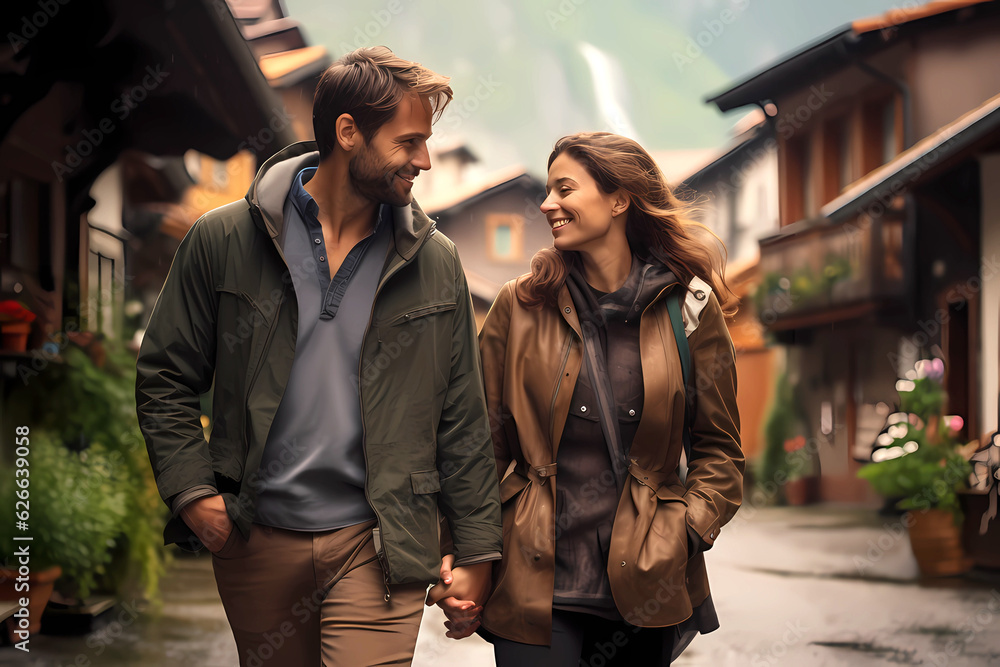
(228, 314)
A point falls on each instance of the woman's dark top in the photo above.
(586, 490)
(586, 494)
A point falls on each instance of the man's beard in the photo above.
(372, 179)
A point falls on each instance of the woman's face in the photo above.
(578, 211)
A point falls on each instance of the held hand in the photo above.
(208, 519)
(461, 593)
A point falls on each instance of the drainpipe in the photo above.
(904, 92)
(898, 84)
(910, 207)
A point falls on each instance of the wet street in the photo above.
(817, 586)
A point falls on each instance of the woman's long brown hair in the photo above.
(657, 225)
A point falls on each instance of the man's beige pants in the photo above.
(300, 599)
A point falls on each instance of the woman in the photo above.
(602, 534)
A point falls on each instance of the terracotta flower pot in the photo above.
(802, 491)
(15, 335)
(40, 590)
(937, 543)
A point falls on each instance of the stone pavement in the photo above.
(793, 586)
(835, 586)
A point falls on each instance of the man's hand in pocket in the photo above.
(208, 519)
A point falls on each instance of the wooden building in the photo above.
(494, 220)
(887, 147)
(736, 196)
(101, 100)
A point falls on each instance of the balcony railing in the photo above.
(829, 267)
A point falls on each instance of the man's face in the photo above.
(384, 168)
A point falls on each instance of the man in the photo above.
(348, 404)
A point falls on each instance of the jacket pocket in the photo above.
(245, 297)
(671, 492)
(415, 313)
(669, 524)
(232, 541)
(425, 481)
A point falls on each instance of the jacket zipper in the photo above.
(421, 312)
(255, 213)
(253, 380)
(555, 394)
(380, 552)
(625, 456)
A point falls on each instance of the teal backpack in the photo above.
(684, 352)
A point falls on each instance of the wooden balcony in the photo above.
(827, 273)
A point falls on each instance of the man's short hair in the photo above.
(369, 84)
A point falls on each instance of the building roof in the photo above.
(190, 105)
(842, 47)
(459, 151)
(916, 163)
(749, 127)
(900, 15)
(482, 287)
(274, 36)
(677, 165)
(290, 67)
(253, 10)
(462, 196)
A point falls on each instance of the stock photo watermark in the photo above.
(32, 24)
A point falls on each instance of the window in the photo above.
(798, 201)
(844, 154)
(878, 133)
(837, 171)
(502, 241)
(505, 237)
(105, 284)
(888, 131)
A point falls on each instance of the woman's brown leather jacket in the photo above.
(531, 360)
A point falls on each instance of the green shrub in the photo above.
(76, 504)
(85, 405)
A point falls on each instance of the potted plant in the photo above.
(919, 459)
(77, 504)
(15, 325)
(787, 463)
(88, 403)
(802, 487)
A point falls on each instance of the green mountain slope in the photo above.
(520, 77)
(523, 70)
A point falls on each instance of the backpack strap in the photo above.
(684, 352)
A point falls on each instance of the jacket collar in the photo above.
(657, 281)
(266, 196)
